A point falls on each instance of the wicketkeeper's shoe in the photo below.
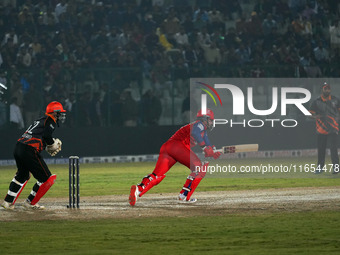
(7, 206)
(28, 205)
(134, 193)
(183, 199)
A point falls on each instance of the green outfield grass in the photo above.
(116, 178)
(265, 233)
(308, 233)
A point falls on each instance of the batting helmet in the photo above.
(56, 107)
(206, 117)
(209, 114)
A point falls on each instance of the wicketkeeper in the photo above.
(178, 149)
(28, 159)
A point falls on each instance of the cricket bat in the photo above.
(239, 148)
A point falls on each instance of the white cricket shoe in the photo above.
(7, 206)
(134, 193)
(28, 205)
(183, 199)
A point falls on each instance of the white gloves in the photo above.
(54, 148)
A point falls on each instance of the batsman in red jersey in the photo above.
(28, 159)
(179, 149)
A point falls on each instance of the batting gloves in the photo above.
(209, 152)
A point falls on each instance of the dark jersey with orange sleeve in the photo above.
(328, 109)
(192, 134)
(39, 134)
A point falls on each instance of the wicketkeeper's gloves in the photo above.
(54, 148)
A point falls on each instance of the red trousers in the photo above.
(174, 151)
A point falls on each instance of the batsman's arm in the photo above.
(196, 134)
(206, 139)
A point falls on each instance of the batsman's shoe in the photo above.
(183, 199)
(134, 193)
(7, 206)
(28, 205)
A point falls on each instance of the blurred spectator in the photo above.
(26, 21)
(148, 24)
(188, 24)
(296, 6)
(216, 20)
(130, 16)
(321, 54)
(254, 26)
(232, 40)
(307, 26)
(243, 54)
(84, 110)
(33, 104)
(241, 26)
(257, 72)
(312, 70)
(180, 69)
(273, 38)
(27, 57)
(212, 54)
(234, 10)
(263, 8)
(181, 37)
(203, 37)
(151, 40)
(268, 24)
(282, 10)
(15, 115)
(36, 46)
(163, 40)
(151, 108)
(308, 12)
(218, 37)
(171, 25)
(129, 109)
(200, 19)
(189, 55)
(16, 91)
(297, 25)
(96, 111)
(60, 8)
(68, 104)
(104, 100)
(10, 36)
(334, 31)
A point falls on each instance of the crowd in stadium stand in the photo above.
(48, 42)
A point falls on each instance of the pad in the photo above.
(43, 189)
(152, 183)
(22, 186)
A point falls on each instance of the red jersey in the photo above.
(192, 134)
